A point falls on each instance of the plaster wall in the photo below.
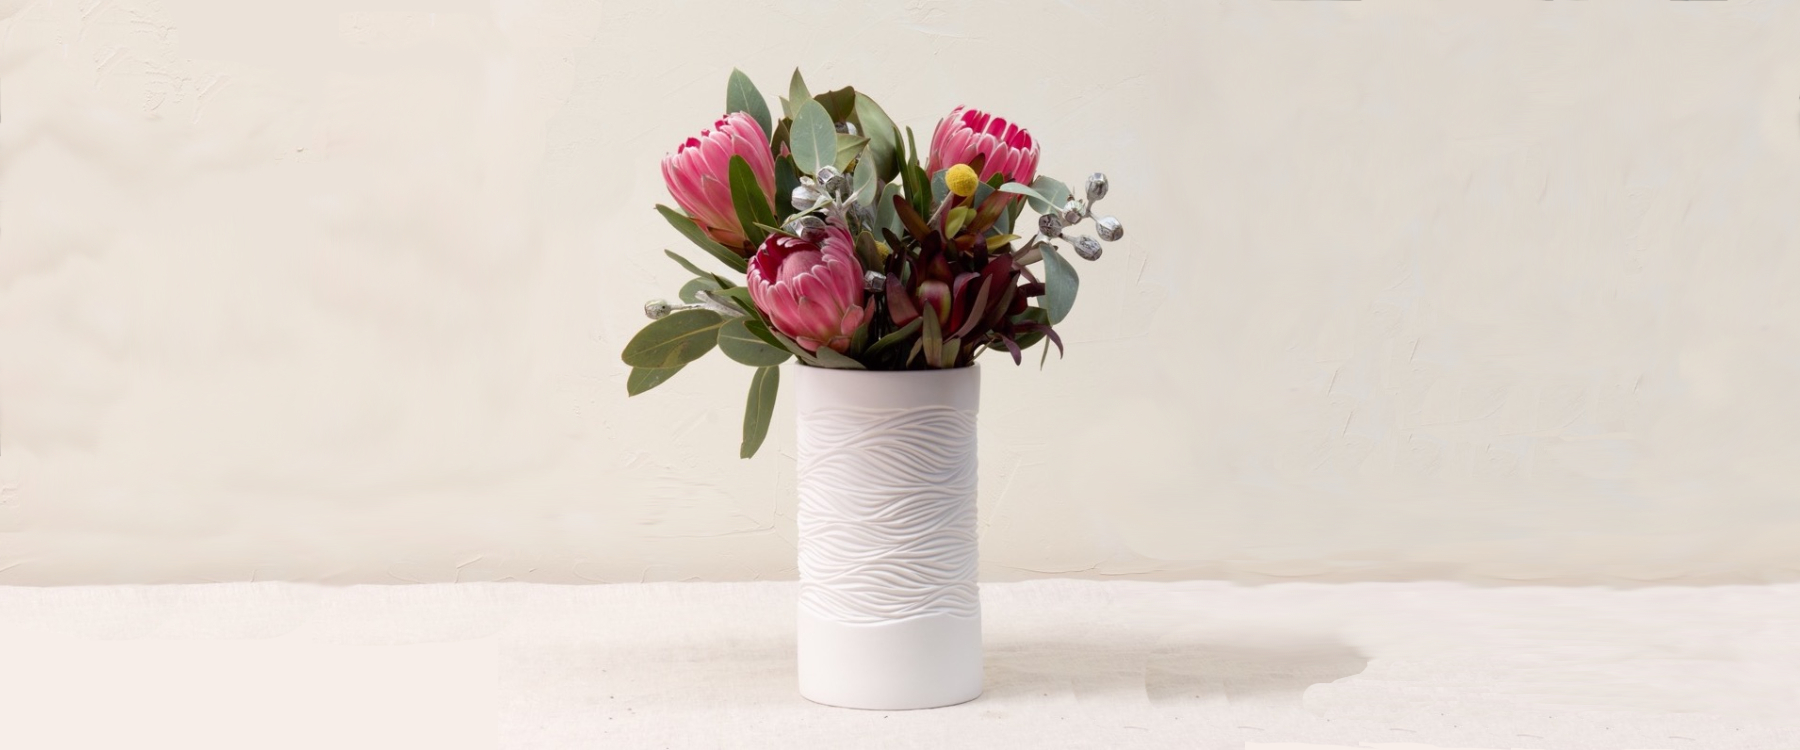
(334, 291)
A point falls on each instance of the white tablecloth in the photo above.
(1069, 664)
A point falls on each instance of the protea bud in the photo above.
(698, 176)
(810, 291)
(966, 132)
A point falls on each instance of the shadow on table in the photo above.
(1168, 672)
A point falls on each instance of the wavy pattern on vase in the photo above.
(887, 513)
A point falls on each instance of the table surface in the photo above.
(1068, 664)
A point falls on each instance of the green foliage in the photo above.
(884, 138)
(813, 139)
(1025, 190)
(1060, 283)
(691, 230)
(741, 96)
(914, 179)
(786, 179)
(690, 292)
(896, 337)
(759, 409)
(828, 357)
(1051, 195)
(723, 283)
(738, 343)
(797, 94)
(645, 378)
(747, 197)
(847, 148)
(839, 104)
(674, 341)
(862, 181)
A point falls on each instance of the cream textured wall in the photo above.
(331, 290)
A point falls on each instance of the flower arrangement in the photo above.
(856, 254)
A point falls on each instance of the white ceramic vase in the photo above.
(889, 614)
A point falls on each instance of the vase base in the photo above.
(921, 662)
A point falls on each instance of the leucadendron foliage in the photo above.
(841, 249)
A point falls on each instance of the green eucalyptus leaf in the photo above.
(1051, 194)
(757, 328)
(747, 197)
(847, 148)
(738, 343)
(722, 282)
(741, 96)
(690, 292)
(862, 181)
(1060, 283)
(739, 296)
(884, 139)
(813, 139)
(828, 357)
(675, 340)
(759, 409)
(939, 188)
(840, 104)
(917, 182)
(796, 94)
(645, 378)
(691, 230)
(1025, 190)
(792, 346)
(866, 252)
(786, 179)
(885, 218)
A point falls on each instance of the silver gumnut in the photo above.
(805, 197)
(1086, 247)
(1096, 187)
(657, 309)
(1050, 225)
(1109, 228)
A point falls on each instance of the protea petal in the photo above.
(698, 175)
(810, 290)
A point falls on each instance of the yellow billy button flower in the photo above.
(961, 180)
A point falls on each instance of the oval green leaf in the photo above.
(675, 340)
(1051, 195)
(828, 357)
(753, 210)
(1060, 283)
(645, 378)
(738, 343)
(873, 122)
(741, 96)
(698, 236)
(759, 409)
(813, 138)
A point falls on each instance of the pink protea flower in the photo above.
(699, 175)
(811, 292)
(966, 132)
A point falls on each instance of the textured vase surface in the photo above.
(889, 614)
